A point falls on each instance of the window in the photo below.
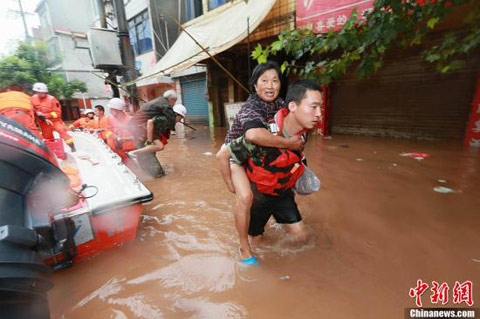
(44, 23)
(212, 4)
(140, 33)
(53, 53)
(193, 9)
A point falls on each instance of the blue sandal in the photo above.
(250, 261)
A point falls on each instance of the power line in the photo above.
(13, 68)
(27, 36)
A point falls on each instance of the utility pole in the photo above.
(128, 59)
(27, 36)
(112, 73)
(101, 13)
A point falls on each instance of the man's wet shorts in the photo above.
(284, 210)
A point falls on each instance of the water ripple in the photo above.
(205, 309)
(195, 273)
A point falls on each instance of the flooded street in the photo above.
(377, 227)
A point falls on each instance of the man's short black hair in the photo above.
(100, 108)
(260, 69)
(297, 90)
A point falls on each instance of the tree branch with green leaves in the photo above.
(362, 42)
(32, 63)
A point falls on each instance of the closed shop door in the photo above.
(405, 99)
(194, 97)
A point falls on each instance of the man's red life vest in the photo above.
(275, 170)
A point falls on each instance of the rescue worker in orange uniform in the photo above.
(49, 114)
(100, 121)
(118, 134)
(86, 123)
(17, 106)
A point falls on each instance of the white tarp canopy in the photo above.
(216, 33)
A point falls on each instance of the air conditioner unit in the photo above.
(104, 48)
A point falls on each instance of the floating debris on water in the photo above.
(286, 277)
(359, 159)
(208, 154)
(444, 190)
(417, 156)
(442, 181)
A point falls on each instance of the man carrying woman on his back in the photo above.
(252, 122)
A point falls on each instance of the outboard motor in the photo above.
(32, 190)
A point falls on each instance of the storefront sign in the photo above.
(323, 15)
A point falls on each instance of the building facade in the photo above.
(65, 34)
(210, 60)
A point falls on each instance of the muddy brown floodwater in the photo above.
(377, 226)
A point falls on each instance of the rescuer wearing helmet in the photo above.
(118, 134)
(16, 105)
(85, 123)
(49, 113)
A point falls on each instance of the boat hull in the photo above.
(109, 214)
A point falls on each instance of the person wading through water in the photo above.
(151, 126)
(252, 122)
(273, 172)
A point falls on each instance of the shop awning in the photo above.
(216, 32)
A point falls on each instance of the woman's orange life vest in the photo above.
(277, 169)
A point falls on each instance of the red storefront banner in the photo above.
(472, 136)
(323, 15)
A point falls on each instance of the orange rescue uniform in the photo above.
(85, 123)
(101, 124)
(118, 135)
(51, 109)
(17, 106)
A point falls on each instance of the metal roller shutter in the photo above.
(405, 99)
(194, 98)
